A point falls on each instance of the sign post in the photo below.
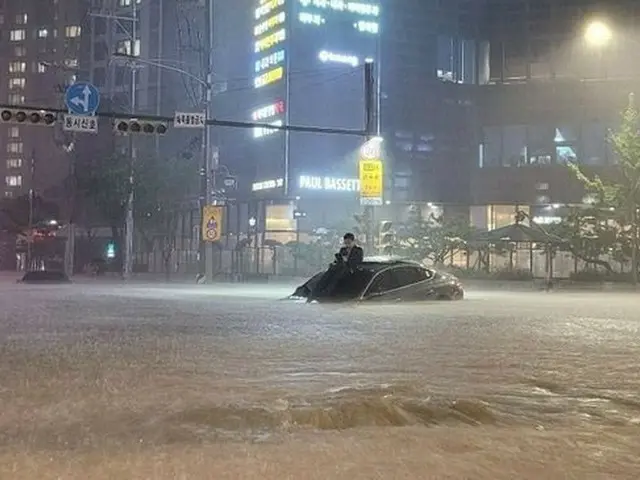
(189, 120)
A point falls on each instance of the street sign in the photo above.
(189, 120)
(82, 98)
(212, 223)
(80, 123)
(371, 182)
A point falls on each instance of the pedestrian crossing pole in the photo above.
(371, 128)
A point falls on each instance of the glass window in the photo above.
(14, 132)
(381, 284)
(72, 31)
(14, 163)
(17, 35)
(18, 82)
(492, 150)
(123, 47)
(43, 33)
(16, 99)
(566, 140)
(13, 180)
(22, 18)
(514, 149)
(541, 150)
(593, 144)
(20, 51)
(17, 67)
(15, 147)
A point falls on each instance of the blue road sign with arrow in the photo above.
(82, 98)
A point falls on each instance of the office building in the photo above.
(552, 98)
(40, 45)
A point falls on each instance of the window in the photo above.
(15, 147)
(514, 145)
(13, 180)
(541, 145)
(17, 35)
(18, 82)
(38, 67)
(14, 132)
(71, 63)
(593, 144)
(127, 3)
(405, 276)
(17, 67)
(72, 31)
(22, 18)
(492, 147)
(123, 47)
(20, 51)
(8, 194)
(14, 163)
(43, 33)
(16, 99)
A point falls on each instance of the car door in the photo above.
(409, 283)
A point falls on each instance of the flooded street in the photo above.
(105, 381)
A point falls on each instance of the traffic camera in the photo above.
(144, 127)
(28, 117)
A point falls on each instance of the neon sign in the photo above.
(329, 184)
(267, 185)
(367, 27)
(268, 111)
(269, 77)
(267, 7)
(311, 18)
(269, 41)
(270, 60)
(269, 23)
(259, 132)
(360, 8)
(331, 57)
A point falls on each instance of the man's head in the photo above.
(349, 240)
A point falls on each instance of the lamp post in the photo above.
(206, 165)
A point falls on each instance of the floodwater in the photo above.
(107, 381)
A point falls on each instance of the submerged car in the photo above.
(388, 280)
(45, 277)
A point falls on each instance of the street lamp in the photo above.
(598, 34)
(205, 190)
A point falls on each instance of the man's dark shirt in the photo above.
(355, 256)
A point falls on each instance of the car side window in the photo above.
(381, 284)
(404, 276)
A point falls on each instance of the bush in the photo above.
(596, 276)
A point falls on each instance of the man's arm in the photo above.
(356, 257)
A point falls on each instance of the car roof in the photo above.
(379, 263)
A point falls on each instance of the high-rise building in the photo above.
(40, 45)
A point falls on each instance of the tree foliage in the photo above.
(609, 224)
(15, 213)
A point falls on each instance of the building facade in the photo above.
(40, 48)
(551, 99)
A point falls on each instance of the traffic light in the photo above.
(110, 251)
(144, 127)
(387, 237)
(28, 117)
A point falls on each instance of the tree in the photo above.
(433, 239)
(620, 194)
(16, 212)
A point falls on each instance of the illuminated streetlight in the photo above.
(598, 34)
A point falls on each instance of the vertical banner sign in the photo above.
(371, 174)
(212, 223)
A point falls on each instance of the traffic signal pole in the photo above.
(372, 130)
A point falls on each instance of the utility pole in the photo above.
(127, 267)
(209, 166)
(372, 130)
(32, 194)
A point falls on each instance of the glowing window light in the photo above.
(270, 40)
(269, 77)
(311, 19)
(361, 8)
(268, 7)
(367, 27)
(269, 61)
(269, 23)
(331, 57)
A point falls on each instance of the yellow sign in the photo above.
(371, 182)
(212, 216)
(271, 76)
